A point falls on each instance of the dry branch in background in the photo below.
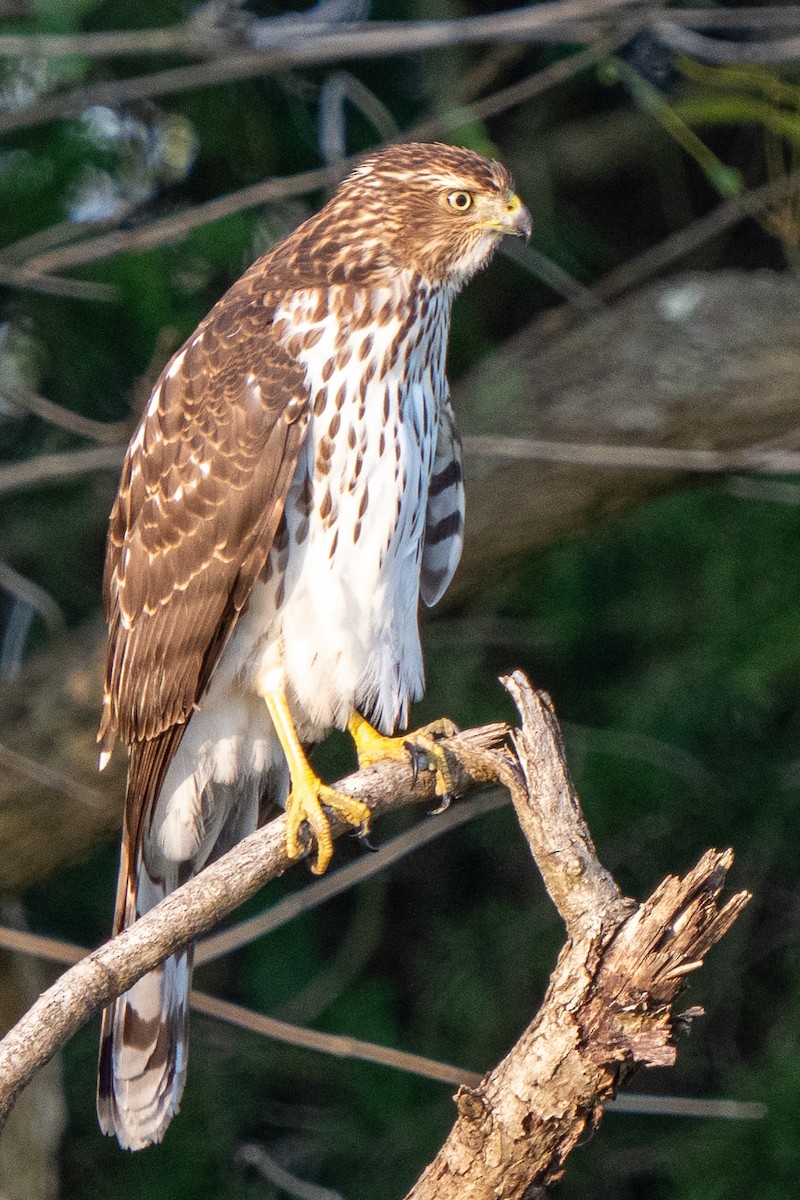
(609, 1005)
(675, 364)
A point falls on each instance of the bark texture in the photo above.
(609, 1006)
(610, 1002)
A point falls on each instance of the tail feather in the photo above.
(144, 1038)
(172, 828)
(143, 1055)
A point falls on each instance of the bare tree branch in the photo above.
(252, 1155)
(706, 49)
(191, 910)
(46, 777)
(683, 242)
(609, 1003)
(32, 595)
(355, 1049)
(335, 882)
(174, 227)
(649, 458)
(674, 366)
(301, 41)
(336, 1044)
(200, 37)
(50, 468)
(105, 432)
(608, 1007)
(53, 285)
(542, 22)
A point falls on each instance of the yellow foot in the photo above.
(305, 803)
(421, 747)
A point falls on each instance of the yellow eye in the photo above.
(460, 201)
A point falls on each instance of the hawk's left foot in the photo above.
(304, 804)
(421, 747)
(308, 793)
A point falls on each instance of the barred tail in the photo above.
(144, 1040)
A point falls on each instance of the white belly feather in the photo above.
(334, 621)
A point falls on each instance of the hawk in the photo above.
(293, 488)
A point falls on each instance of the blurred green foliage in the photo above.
(669, 639)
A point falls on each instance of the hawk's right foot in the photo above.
(421, 747)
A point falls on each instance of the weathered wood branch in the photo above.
(609, 1006)
(86, 988)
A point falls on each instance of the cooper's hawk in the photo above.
(292, 489)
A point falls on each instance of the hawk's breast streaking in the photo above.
(293, 487)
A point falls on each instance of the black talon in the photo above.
(362, 837)
(447, 800)
(417, 757)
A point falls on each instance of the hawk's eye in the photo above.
(461, 201)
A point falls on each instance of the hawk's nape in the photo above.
(294, 486)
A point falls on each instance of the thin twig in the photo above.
(116, 43)
(649, 458)
(551, 273)
(32, 594)
(48, 777)
(49, 285)
(55, 468)
(175, 227)
(335, 1044)
(675, 247)
(717, 50)
(251, 1155)
(524, 90)
(107, 433)
(770, 16)
(334, 884)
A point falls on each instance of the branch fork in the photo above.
(609, 1006)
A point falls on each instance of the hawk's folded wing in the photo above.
(203, 489)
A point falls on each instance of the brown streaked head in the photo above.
(436, 209)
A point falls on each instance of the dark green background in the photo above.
(669, 639)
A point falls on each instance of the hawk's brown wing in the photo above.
(202, 492)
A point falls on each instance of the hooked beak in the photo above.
(516, 219)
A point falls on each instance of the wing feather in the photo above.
(444, 516)
(202, 492)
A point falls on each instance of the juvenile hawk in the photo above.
(293, 488)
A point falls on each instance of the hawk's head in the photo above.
(440, 210)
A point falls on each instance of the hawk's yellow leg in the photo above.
(373, 746)
(308, 792)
